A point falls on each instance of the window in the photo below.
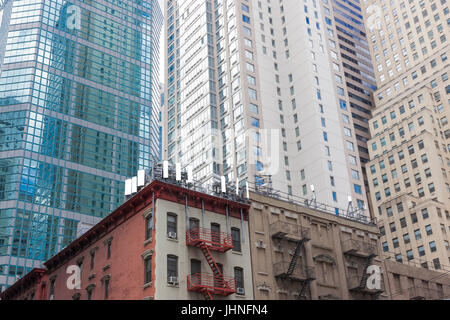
(196, 268)
(425, 213)
(148, 269)
(417, 234)
(395, 242)
(433, 246)
(172, 225)
(437, 264)
(414, 218)
(406, 238)
(149, 227)
(239, 276)
(236, 236)
(108, 249)
(52, 288)
(215, 234)
(410, 254)
(403, 222)
(92, 258)
(106, 287)
(429, 230)
(90, 291)
(392, 227)
(172, 268)
(421, 250)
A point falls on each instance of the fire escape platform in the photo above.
(215, 241)
(208, 283)
(359, 248)
(299, 274)
(289, 231)
(216, 283)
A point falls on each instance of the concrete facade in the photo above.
(234, 68)
(333, 259)
(409, 168)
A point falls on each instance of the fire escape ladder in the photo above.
(294, 259)
(365, 276)
(207, 295)
(305, 286)
(218, 276)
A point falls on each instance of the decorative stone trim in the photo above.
(147, 213)
(76, 296)
(108, 240)
(80, 260)
(346, 229)
(257, 206)
(263, 287)
(325, 258)
(147, 285)
(93, 250)
(106, 277)
(106, 267)
(90, 287)
(147, 254)
(274, 210)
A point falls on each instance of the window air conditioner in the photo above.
(240, 291)
(173, 280)
(172, 235)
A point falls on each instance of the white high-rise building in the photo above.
(256, 91)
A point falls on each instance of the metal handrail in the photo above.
(221, 239)
(200, 281)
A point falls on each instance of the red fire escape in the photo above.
(215, 283)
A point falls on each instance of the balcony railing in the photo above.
(423, 293)
(205, 282)
(280, 270)
(359, 248)
(354, 284)
(216, 241)
(281, 229)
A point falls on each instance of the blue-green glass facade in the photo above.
(79, 112)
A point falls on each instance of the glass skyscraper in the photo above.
(79, 112)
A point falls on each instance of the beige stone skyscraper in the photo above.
(409, 170)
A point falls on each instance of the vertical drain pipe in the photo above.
(242, 227)
(186, 212)
(228, 225)
(154, 211)
(203, 214)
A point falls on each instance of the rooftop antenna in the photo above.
(178, 171)
(165, 169)
(223, 185)
(350, 208)
(190, 175)
(247, 193)
(313, 200)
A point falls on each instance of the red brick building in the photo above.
(166, 242)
